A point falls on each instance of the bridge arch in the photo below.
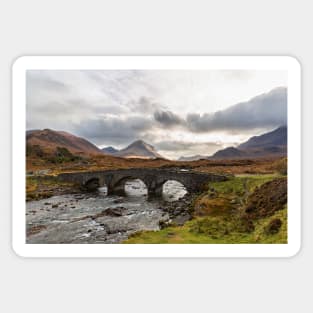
(173, 189)
(92, 184)
(119, 187)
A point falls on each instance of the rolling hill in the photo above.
(49, 140)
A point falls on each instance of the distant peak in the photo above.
(139, 148)
(110, 150)
(140, 142)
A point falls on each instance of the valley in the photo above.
(249, 207)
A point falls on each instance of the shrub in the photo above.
(267, 199)
(62, 155)
(34, 150)
(273, 227)
(218, 227)
(281, 166)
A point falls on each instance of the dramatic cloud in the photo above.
(264, 111)
(144, 105)
(174, 149)
(113, 130)
(168, 118)
(181, 112)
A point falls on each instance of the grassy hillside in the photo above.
(215, 231)
(220, 215)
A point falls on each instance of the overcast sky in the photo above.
(180, 112)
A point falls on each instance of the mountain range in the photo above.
(50, 140)
(277, 137)
(137, 149)
(192, 158)
(273, 143)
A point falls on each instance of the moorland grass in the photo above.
(215, 230)
(227, 227)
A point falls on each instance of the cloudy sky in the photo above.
(180, 112)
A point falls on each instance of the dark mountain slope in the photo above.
(273, 143)
(49, 140)
(277, 137)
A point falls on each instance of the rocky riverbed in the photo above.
(98, 218)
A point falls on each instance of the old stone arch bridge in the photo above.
(153, 178)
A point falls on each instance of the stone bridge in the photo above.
(153, 178)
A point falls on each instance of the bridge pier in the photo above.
(117, 191)
(155, 192)
(111, 190)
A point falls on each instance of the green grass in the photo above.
(222, 198)
(43, 187)
(242, 183)
(31, 184)
(214, 230)
(224, 228)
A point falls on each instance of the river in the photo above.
(96, 217)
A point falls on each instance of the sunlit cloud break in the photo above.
(179, 112)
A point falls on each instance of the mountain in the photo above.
(49, 140)
(139, 149)
(192, 158)
(109, 150)
(229, 153)
(273, 143)
(277, 137)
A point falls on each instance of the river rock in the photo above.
(118, 211)
(181, 219)
(118, 201)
